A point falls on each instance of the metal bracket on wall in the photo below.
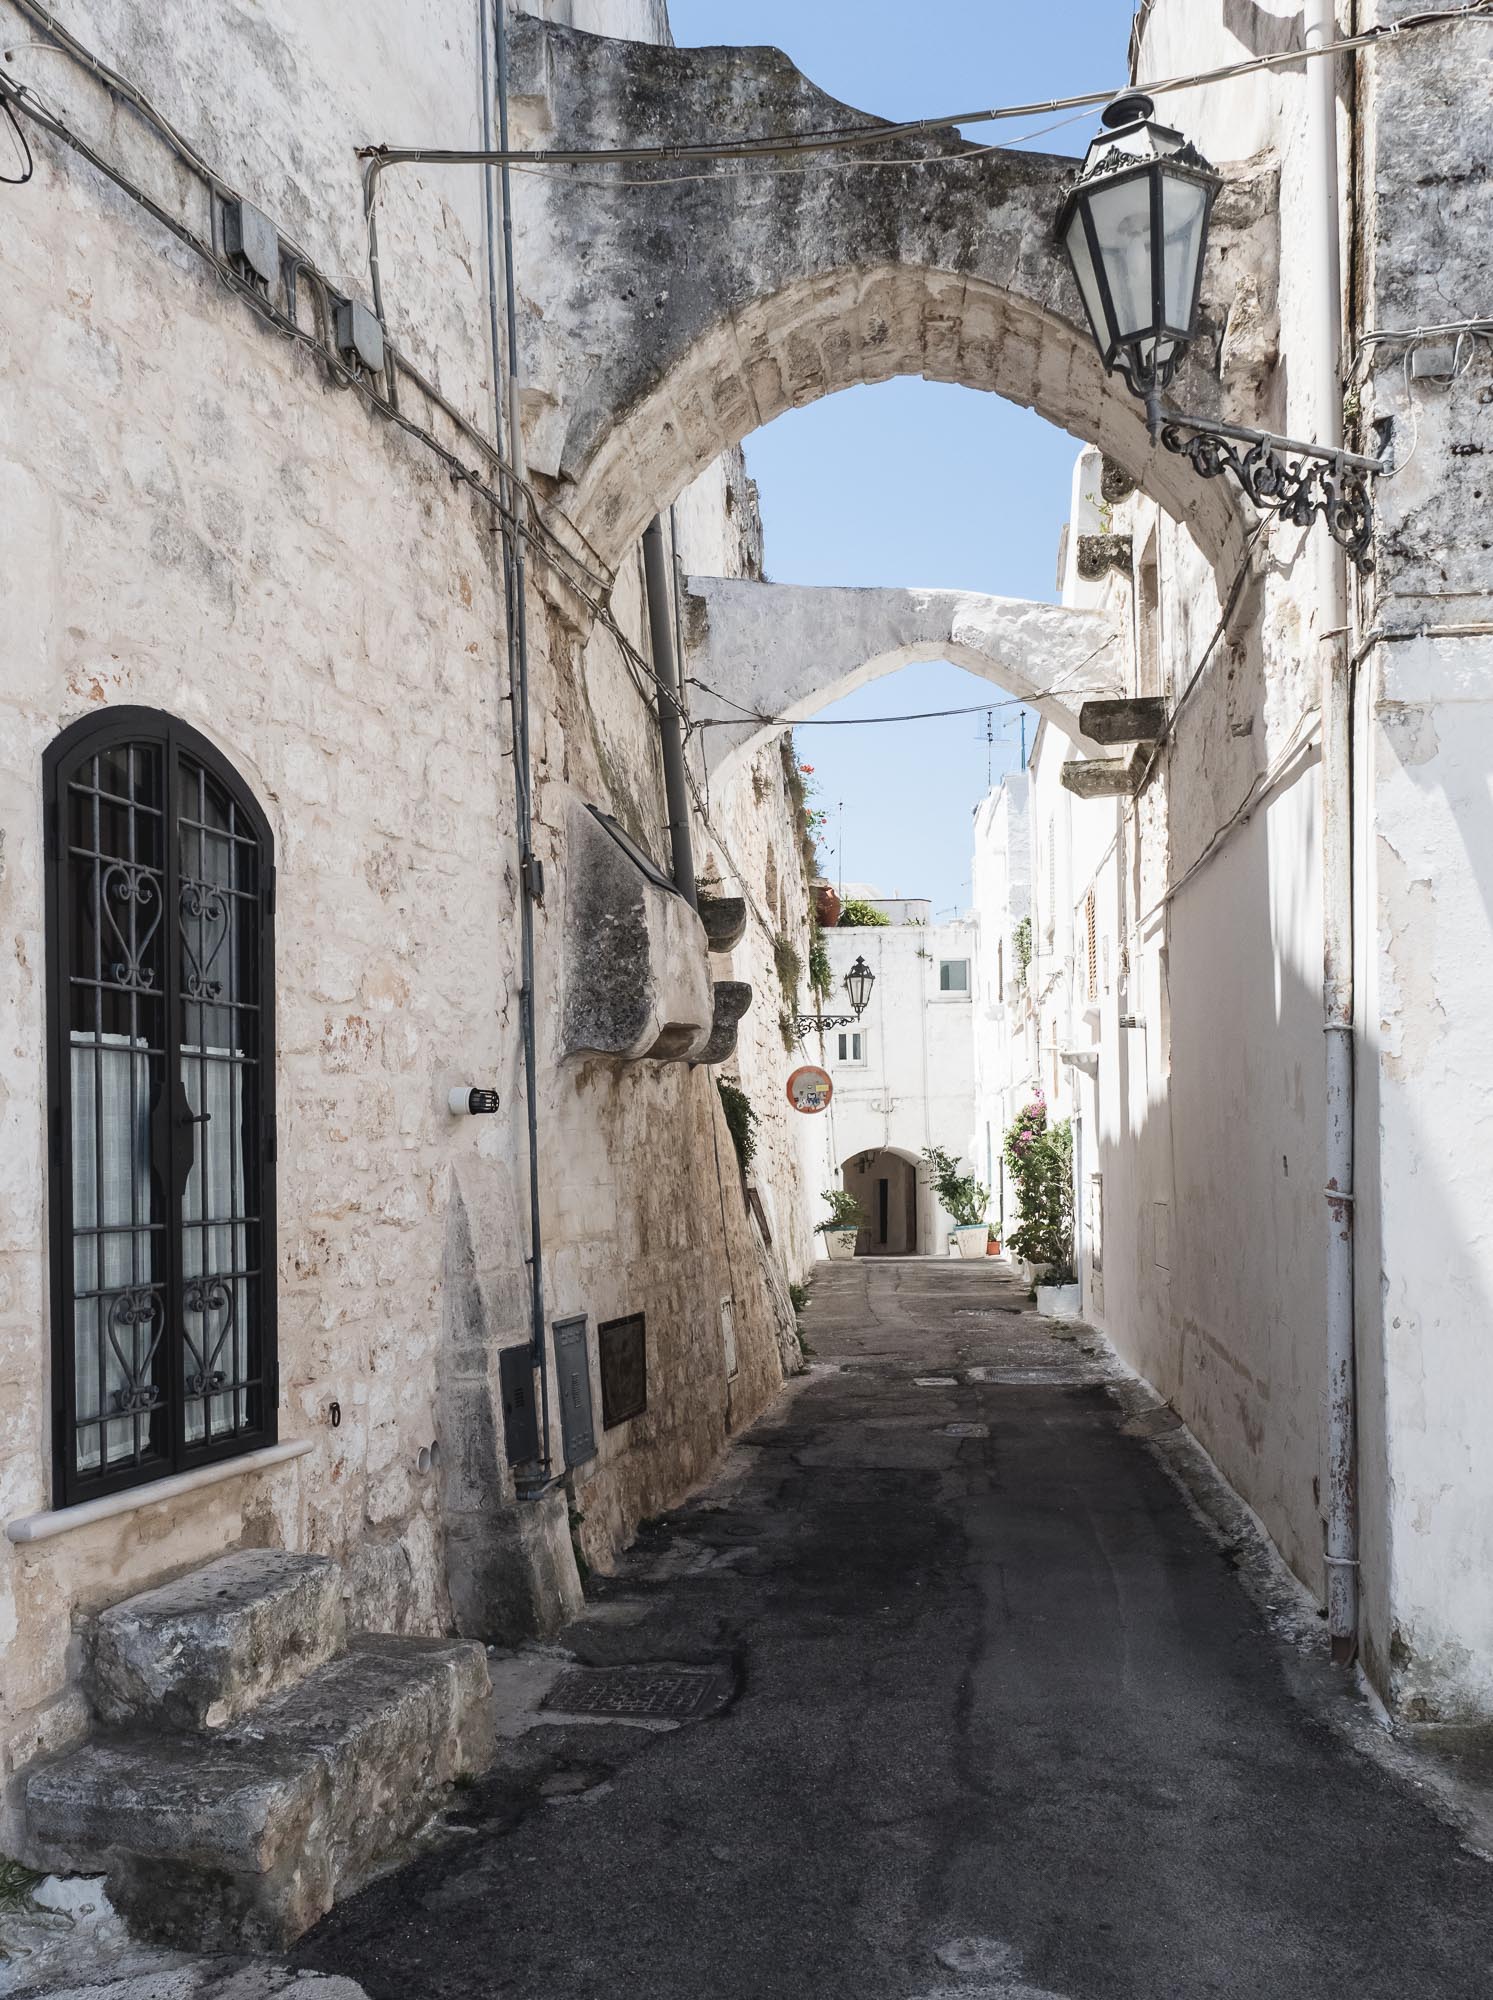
(1300, 482)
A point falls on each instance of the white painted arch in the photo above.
(785, 651)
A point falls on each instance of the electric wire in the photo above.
(780, 145)
(566, 178)
(23, 150)
(1072, 685)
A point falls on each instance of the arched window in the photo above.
(160, 885)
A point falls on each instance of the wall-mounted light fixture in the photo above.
(858, 983)
(1134, 227)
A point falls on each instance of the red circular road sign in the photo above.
(810, 1088)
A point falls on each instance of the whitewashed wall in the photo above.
(916, 1087)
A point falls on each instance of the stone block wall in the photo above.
(199, 521)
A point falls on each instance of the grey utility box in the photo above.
(252, 240)
(573, 1375)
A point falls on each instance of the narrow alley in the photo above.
(995, 1716)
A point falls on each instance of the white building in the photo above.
(904, 1077)
(1005, 1037)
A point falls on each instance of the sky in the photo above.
(912, 482)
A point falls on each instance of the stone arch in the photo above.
(698, 306)
(787, 650)
(841, 330)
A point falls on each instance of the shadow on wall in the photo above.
(1216, 1235)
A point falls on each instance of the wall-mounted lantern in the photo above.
(858, 983)
(1134, 226)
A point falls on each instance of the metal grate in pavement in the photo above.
(648, 1693)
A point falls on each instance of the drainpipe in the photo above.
(531, 879)
(1321, 185)
(671, 736)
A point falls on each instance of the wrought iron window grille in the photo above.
(160, 1001)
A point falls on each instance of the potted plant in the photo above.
(846, 1220)
(993, 1242)
(1040, 1158)
(961, 1196)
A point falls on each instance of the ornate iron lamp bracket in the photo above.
(804, 1024)
(1300, 482)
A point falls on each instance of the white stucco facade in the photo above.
(903, 1078)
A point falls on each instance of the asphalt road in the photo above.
(1006, 1724)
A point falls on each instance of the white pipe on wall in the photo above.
(1322, 184)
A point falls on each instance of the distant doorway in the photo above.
(885, 1183)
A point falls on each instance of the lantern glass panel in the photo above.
(1077, 243)
(1122, 230)
(1184, 208)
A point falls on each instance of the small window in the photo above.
(953, 975)
(851, 1047)
(623, 1348)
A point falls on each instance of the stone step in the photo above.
(199, 1652)
(248, 1834)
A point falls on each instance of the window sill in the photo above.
(62, 1520)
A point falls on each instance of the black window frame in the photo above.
(113, 728)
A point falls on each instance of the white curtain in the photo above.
(112, 1195)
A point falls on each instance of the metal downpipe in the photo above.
(671, 735)
(1322, 182)
(515, 578)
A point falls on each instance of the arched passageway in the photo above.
(885, 1183)
(733, 296)
(787, 650)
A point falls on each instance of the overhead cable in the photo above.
(782, 144)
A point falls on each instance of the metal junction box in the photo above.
(252, 240)
(359, 336)
(573, 1377)
(520, 1419)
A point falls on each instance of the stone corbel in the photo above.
(725, 921)
(1098, 553)
(732, 999)
(637, 961)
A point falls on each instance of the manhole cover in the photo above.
(966, 1430)
(936, 1381)
(651, 1693)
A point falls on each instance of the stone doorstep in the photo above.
(205, 1649)
(248, 1835)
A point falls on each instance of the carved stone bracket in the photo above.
(1099, 553)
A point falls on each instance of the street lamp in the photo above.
(858, 983)
(1134, 226)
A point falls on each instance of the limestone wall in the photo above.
(199, 521)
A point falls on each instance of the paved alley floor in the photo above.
(1005, 1723)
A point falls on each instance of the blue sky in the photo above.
(913, 482)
